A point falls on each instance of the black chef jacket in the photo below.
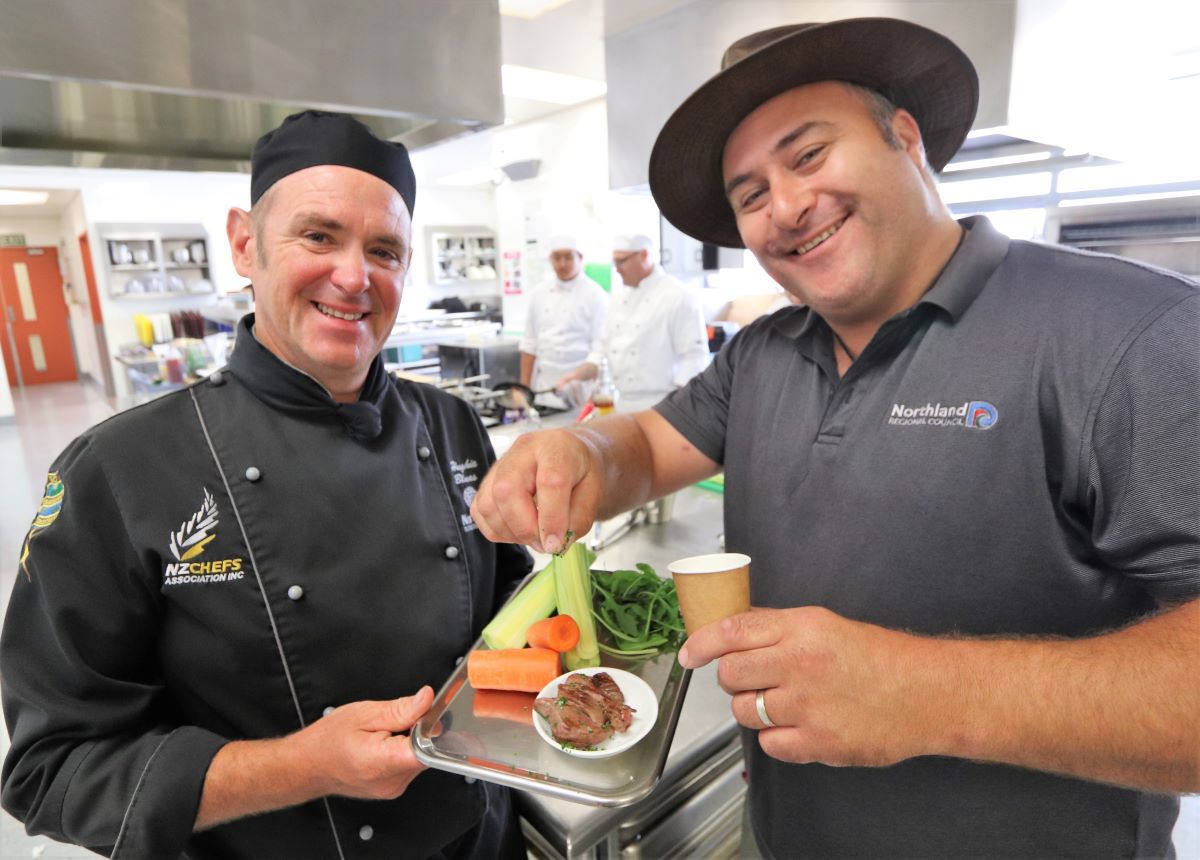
(228, 562)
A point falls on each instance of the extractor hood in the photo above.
(1084, 75)
(695, 36)
(191, 84)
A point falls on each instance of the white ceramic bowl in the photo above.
(638, 696)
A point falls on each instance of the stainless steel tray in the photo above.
(510, 753)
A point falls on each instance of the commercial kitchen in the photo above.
(125, 133)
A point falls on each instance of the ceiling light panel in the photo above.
(10, 197)
(529, 9)
(523, 82)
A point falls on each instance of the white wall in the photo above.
(6, 401)
(570, 194)
(1111, 78)
(72, 225)
(439, 207)
(38, 232)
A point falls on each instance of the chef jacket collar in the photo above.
(570, 284)
(287, 389)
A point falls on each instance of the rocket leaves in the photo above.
(639, 610)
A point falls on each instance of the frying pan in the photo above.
(514, 395)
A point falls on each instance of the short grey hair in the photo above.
(882, 111)
(258, 218)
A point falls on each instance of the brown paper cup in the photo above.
(711, 587)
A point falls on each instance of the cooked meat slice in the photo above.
(572, 721)
(608, 688)
(581, 688)
(587, 710)
(619, 714)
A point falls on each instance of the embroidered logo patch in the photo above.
(48, 511)
(190, 541)
(975, 414)
(193, 536)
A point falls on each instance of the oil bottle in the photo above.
(605, 394)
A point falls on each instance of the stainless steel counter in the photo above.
(705, 756)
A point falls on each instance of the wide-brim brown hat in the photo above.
(914, 67)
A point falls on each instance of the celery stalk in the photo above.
(573, 587)
(532, 603)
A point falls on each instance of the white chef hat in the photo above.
(633, 242)
(563, 242)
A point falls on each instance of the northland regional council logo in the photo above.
(975, 414)
(189, 542)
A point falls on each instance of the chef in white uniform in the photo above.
(654, 339)
(565, 319)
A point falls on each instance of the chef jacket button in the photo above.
(451, 552)
(329, 710)
(366, 832)
(469, 780)
(423, 452)
(216, 378)
(253, 474)
(295, 592)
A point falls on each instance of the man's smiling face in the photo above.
(327, 259)
(833, 210)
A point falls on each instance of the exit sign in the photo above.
(11, 240)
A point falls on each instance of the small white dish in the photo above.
(638, 696)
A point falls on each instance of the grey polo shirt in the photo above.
(1014, 455)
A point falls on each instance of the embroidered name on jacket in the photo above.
(189, 541)
(466, 476)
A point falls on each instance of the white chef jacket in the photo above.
(654, 338)
(562, 327)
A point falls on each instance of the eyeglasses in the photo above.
(621, 261)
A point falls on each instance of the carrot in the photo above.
(504, 705)
(527, 669)
(559, 633)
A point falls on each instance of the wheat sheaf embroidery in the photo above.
(193, 536)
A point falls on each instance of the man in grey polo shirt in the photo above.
(966, 472)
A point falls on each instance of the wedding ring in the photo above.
(760, 705)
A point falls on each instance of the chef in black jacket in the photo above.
(234, 600)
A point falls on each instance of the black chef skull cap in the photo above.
(312, 138)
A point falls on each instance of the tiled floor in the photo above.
(50, 416)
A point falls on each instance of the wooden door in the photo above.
(34, 317)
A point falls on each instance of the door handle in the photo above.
(12, 315)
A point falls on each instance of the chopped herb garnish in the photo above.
(566, 543)
(567, 745)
